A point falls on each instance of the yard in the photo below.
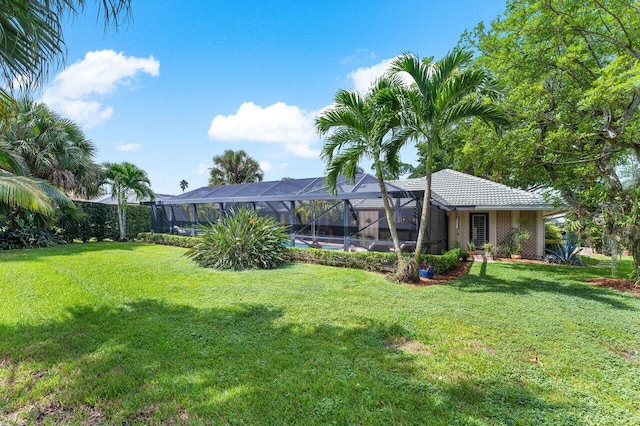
(135, 333)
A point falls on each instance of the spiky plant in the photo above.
(241, 240)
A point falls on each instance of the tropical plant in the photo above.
(53, 148)
(184, 185)
(233, 167)
(512, 242)
(488, 248)
(367, 126)
(125, 178)
(19, 191)
(565, 253)
(241, 240)
(32, 41)
(441, 95)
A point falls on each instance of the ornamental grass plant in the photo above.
(241, 240)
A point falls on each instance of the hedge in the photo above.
(169, 240)
(369, 261)
(101, 222)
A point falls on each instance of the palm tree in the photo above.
(32, 37)
(123, 178)
(53, 148)
(234, 167)
(184, 185)
(32, 41)
(442, 94)
(366, 126)
(19, 191)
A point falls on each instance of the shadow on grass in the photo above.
(65, 250)
(483, 282)
(153, 362)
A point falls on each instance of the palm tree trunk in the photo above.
(122, 211)
(423, 233)
(406, 271)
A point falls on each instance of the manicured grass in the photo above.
(137, 334)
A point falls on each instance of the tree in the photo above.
(234, 167)
(20, 191)
(443, 94)
(32, 41)
(125, 178)
(184, 185)
(53, 148)
(360, 126)
(571, 70)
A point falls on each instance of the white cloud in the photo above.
(129, 147)
(203, 169)
(265, 166)
(76, 91)
(363, 78)
(278, 123)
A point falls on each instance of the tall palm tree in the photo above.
(363, 126)
(184, 185)
(125, 178)
(32, 37)
(53, 148)
(440, 95)
(234, 167)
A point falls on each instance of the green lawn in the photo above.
(137, 334)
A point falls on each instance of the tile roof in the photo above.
(460, 190)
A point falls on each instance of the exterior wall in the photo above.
(501, 222)
(529, 221)
(504, 224)
(458, 229)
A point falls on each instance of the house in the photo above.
(463, 208)
(480, 210)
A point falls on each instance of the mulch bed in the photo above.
(449, 276)
(620, 284)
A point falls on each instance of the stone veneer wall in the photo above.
(528, 222)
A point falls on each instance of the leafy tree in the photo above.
(443, 94)
(184, 185)
(234, 167)
(362, 126)
(125, 178)
(571, 70)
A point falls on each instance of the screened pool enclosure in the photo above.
(352, 219)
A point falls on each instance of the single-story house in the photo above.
(480, 210)
(463, 208)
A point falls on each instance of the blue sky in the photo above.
(183, 81)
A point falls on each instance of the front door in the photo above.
(479, 229)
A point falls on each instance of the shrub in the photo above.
(566, 254)
(241, 240)
(371, 261)
(100, 221)
(169, 240)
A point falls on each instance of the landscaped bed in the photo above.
(137, 333)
